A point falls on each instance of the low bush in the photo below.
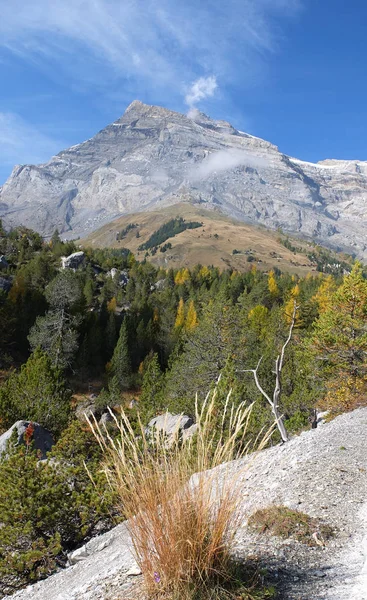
(287, 523)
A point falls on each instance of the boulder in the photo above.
(158, 285)
(188, 433)
(322, 417)
(5, 284)
(105, 419)
(169, 423)
(3, 262)
(122, 278)
(41, 437)
(112, 273)
(86, 407)
(73, 261)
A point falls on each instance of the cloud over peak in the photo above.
(204, 87)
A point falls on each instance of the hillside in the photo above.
(321, 472)
(211, 244)
(153, 157)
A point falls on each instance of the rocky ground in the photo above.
(322, 472)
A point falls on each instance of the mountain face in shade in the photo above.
(153, 157)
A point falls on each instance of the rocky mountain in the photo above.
(153, 157)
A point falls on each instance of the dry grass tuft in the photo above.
(182, 527)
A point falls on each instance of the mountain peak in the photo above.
(136, 105)
(153, 156)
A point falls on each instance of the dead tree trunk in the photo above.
(274, 401)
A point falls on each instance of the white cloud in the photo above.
(157, 43)
(225, 160)
(202, 88)
(22, 143)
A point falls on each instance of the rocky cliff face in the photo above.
(153, 157)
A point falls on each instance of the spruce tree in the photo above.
(150, 401)
(120, 363)
(110, 335)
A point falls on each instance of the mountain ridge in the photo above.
(152, 157)
(221, 241)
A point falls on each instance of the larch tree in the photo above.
(339, 339)
(272, 284)
(191, 318)
(180, 317)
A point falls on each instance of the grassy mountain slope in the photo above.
(211, 244)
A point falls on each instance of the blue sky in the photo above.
(290, 71)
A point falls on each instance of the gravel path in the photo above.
(322, 472)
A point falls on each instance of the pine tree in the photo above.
(36, 393)
(88, 291)
(49, 507)
(120, 363)
(56, 332)
(55, 239)
(26, 553)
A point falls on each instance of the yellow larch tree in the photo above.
(289, 306)
(191, 317)
(323, 296)
(180, 317)
(272, 284)
(182, 276)
(111, 305)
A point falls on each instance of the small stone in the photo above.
(134, 571)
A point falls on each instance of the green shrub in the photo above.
(49, 507)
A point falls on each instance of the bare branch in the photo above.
(295, 308)
(274, 403)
